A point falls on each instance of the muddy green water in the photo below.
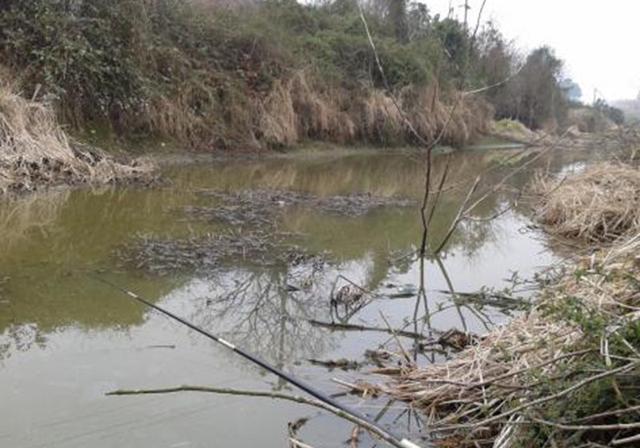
(66, 340)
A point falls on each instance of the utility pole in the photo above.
(466, 8)
(466, 15)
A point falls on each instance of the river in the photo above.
(66, 339)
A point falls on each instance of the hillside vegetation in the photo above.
(272, 73)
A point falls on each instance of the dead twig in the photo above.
(354, 327)
(273, 395)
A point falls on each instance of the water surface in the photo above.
(66, 340)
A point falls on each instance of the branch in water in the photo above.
(274, 395)
(353, 327)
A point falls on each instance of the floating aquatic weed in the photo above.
(163, 256)
(359, 204)
(20, 338)
(257, 210)
(340, 364)
(233, 215)
(261, 207)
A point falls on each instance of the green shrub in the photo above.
(198, 73)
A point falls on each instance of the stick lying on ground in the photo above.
(338, 408)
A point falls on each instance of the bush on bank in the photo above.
(205, 74)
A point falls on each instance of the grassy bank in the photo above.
(269, 74)
(565, 373)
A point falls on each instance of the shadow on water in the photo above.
(65, 340)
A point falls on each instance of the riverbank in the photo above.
(567, 370)
(35, 152)
(274, 74)
(269, 75)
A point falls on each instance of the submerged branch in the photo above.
(263, 394)
(354, 327)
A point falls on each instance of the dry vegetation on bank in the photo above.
(599, 205)
(36, 152)
(300, 109)
(274, 73)
(565, 373)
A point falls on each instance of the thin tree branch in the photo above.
(566, 427)
(263, 394)
(353, 327)
(461, 213)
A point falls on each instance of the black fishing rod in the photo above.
(388, 436)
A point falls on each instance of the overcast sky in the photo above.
(598, 39)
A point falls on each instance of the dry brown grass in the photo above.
(495, 390)
(174, 118)
(298, 109)
(600, 205)
(488, 391)
(590, 120)
(301, 108)
(277, 120)
(35, 151)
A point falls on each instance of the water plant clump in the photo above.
(254, 214)
(246, 208)
(261, 207)
(162, 257)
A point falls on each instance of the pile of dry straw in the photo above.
(35, 152)
(601, 204)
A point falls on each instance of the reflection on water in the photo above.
(65, 339)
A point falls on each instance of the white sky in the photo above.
(599, 40)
